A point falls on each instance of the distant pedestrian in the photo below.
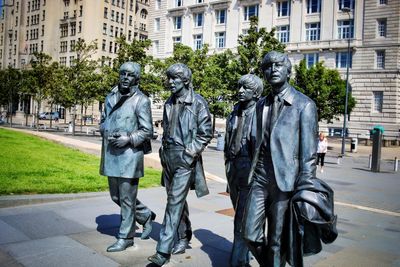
(321, 151)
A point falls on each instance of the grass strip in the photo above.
(32, 165)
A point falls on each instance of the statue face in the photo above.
(175, 84)
(276, 72)
(127, 78)
(245, 93)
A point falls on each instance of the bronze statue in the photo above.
(187, 131)
(238, 158)
(126, 128)
(283, 156)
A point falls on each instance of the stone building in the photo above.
(317, 30)
(54, 26)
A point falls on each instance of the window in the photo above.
(122, 18)
(199, 1)
(71, 60)
(104, 28)
(382, 27)
(283, 33)
(177, 22)
(143, 14)
(111, 30)
(220, 39)
(64, 30)
(112, 15)
(129, 35)
(117, 17)
(198, 19)
(63, 61)
(158, 4)
(380, 59)
(198, 41)
(105, 12)
(176, 40)
(250, 11)
(221, 16)
(41, 46)
(27, 21)
(116, 32)
(157, 24)
(345, 29)
(156, 47)
(110, 47)
(283, 8)
(178, 3)
(63, 46)
(346, 4)
(311, 59)
(123, 4)
(80, 11)
(377, 103)
(80, 26)
(72, 45)
(44, 15)
(73, 29)
(115, 48)
(131, 5)
(382, 2)
(16, 21)
(341, 60)
(313, 6)
(312, 31)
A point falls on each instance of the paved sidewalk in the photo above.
(75, 230)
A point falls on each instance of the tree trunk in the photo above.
(73, 119)
(81, 118)
(51, 117)
(37, 114)
(213, 126)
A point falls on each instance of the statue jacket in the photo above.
(311, 220)
(194, 124)
(130, 114)
(293, 138)
(245, 153)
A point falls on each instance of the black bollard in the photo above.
(376, 150)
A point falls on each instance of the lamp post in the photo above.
(347, 10)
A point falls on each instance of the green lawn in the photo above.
(31, 165)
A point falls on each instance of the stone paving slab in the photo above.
(59, 251)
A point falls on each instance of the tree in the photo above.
(84, 78)
(325, 87)
(38, 80)
(9, 89)
(254, 45)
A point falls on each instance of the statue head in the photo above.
(129, 75)
(179, 78)
(276, 68)
(250, 87)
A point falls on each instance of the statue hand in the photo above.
(120, 141)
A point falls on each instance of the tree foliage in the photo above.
(325, 87)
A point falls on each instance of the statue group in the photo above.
(282, 211)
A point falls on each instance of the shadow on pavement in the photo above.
(108, 224)
(212, 244)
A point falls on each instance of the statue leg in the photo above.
(123, 192)
(143, 213)
(177, 193)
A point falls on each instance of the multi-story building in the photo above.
(54, 27)
(317, 30)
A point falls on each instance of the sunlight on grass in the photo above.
(31, 165)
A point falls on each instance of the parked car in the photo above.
(46, 116)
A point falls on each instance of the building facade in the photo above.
(317, 30)
(54, 27)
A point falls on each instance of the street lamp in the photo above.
(346, 10)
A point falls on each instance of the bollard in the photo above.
(396, 164)
(338, 160)
(87, 131)
(370, 161)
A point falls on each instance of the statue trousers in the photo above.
(238, 171)
(266, 203)
(178, 177)
(123, 192)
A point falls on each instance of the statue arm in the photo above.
(145, 123)
(203, 134)
(102, 121)
(308, 142)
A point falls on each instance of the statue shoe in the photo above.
(120, 245)
(148, 226)
(180, 247)
(159, 259)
